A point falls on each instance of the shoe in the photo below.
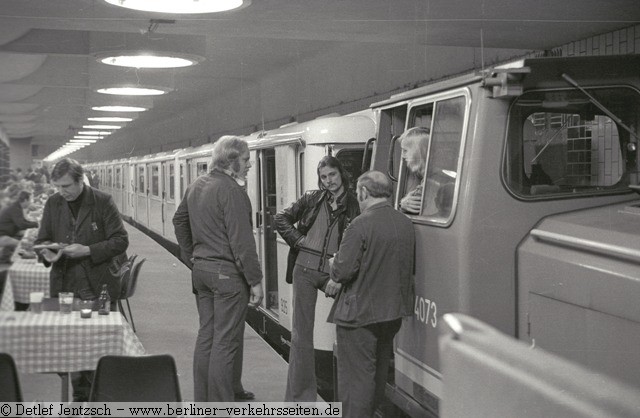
(245, 395)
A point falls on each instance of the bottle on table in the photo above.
(104, 301)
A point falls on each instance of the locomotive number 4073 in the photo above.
(425, 311)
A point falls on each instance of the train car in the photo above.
(510, 149)
(155, 190)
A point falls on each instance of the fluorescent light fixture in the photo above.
(119, 108)
(101, 127)
(110, 119)
(145, 60)
(100, 133)
(180, 6)
(132, 91)
(87, 137)
(83, 141)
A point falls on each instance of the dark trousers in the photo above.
(364, 354)
(222, 307)
(81, 383)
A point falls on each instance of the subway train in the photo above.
(529, 219)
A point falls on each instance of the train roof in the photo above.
(352, 128)
(536, 73)
(160, 156)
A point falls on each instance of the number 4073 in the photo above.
(426, 311)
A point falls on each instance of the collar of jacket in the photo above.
(241, 182)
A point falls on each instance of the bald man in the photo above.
(372, 274)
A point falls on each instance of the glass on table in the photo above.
(86, 306)
(35, 301)
(66, 302)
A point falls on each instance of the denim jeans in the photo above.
(222, 306)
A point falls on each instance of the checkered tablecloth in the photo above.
(24, 277)
(55, 342)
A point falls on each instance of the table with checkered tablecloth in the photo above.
(24, 276)
(62, 343)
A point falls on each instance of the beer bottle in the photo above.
(104, 301)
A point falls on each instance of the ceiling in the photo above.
(49, 73)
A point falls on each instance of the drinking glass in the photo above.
(35, 301)
(66, 302)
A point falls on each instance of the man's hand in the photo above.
(411, 204)
(51, 256)
(332, 288)
(76, 251)
(255, 295)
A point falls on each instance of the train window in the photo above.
(202, 168)
(118, 184)
(435, 180)
(141, 186)
(109, 177)
(351, 160)
(444, 156)
(560, 143)
(155, 180)
(183, 181)
(172, 182)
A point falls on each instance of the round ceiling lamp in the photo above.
(132, 91)
(181, 6)
(147, 60)
(119, 108)
(110, 119)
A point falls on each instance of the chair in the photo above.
(128, 286)
(9, 381)
(136, 379)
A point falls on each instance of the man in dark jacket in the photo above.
(86, 225)
(213, 228)
(12, 222)
(374, 266)
(321, 217)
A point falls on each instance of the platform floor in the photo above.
(166, 320)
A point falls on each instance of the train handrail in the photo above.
(390, 167)
(364, 156)
(587, 244)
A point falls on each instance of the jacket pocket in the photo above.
(347, 309)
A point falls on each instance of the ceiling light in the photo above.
(83, 141)
(101, 127)
(145, 60)
(87, 137)
(180, 6)
(110, 119)
(132, 91)
(100, 133)
(119, 108)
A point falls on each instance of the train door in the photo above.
(267, 200)
(155, 204)
(131, 191)
(435, 179)
(117, 186)
(184, 182)
(169, 198)
(142, 193)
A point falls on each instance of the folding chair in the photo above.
(9, 380)
(128, 287)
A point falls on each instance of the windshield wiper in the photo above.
(599, 105)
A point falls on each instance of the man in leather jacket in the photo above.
(321, 217)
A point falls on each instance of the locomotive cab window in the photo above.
(561, 144)
(431, 159)
(351, 160)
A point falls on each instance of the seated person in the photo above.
(414, 143)
(13, 223)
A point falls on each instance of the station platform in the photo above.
(166, 320)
